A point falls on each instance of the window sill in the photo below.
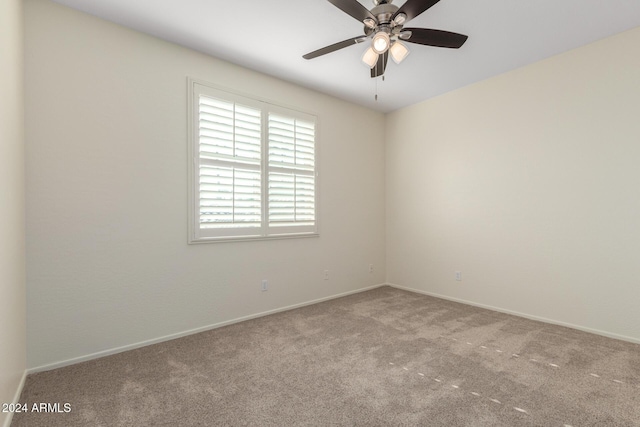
(205, 240)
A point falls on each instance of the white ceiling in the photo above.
(271, 36)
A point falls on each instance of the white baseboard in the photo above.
(525, 315)
(116, 350)
(16, 398)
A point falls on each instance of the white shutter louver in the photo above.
(230, 153)
(229, 197)
(291, 171)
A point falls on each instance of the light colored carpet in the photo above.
(385, 357)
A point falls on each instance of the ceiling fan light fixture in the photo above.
(398, 52)
(380, 42)
(370, 57)
(384, 31)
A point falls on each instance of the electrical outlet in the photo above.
(264, 286)
(326, 275)
(459, 276)
(370, 268)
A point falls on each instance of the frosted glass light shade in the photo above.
(380, 42)
(370, 57)
(398, 52)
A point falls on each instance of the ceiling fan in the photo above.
(384, 25)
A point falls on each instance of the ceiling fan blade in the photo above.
(334, 47)
(436, 38)
(413, 8)
(381, 65)
(353, 8)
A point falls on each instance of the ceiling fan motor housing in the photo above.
(383, 13)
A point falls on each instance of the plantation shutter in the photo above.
(230, 159)
(253, 168)
(291, 171)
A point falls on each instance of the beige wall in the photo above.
(528, 184)
(108, 260)
(12, 249)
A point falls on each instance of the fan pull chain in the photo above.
(376, 97)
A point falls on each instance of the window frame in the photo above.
(196, 234)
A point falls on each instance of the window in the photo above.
(253, 168)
